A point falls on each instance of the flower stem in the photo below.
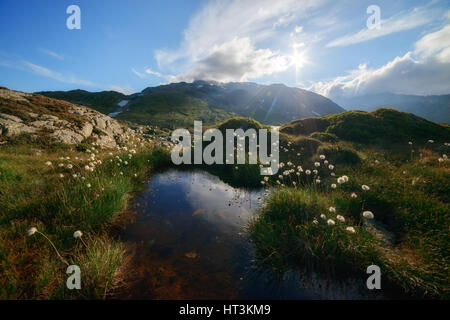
(57, 252)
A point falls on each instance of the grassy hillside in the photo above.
(104, 101)
(383, 126)
(50, 188)
(172, 110)
(316, 220)
(434, 108)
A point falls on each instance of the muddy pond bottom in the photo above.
(188, 241)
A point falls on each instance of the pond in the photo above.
(189, 242)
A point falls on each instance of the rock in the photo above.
(86, 131)
(66, 128)
(100, 123)
(10, 117)
(43, 124)
(14, 95)
(13, 128)
(106, 141)
(48, 117)
(67, 136)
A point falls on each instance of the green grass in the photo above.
(33, 195)
(104, 101)
(383, 127)
(172, 111)
(408, 239)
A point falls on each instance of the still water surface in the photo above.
(189, 242)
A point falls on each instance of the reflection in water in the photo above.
(189, 242)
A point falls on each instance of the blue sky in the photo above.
(321, 45)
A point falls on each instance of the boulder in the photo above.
(13, 128)
(86, 130)
(67, 136)
(10, 117)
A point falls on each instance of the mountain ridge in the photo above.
(271, 104)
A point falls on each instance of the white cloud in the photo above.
(137, 73)
(236, 60)
(435, 44)
(298, 29)
(422, 72)
(52, 54)
(146, 72)
(155, 73)
(45, 72)
(400, 22)
(123, 90)
(214, 32)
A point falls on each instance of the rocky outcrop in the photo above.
(70, 123)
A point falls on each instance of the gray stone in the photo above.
(10, 117)
(67, 136)
(13, 128)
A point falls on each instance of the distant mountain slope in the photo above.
(273, 104)
(383, 126)
(434, 108)
(105, 101)
(171, 110)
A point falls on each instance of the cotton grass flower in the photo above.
(354, 195)
(331, 222)
(350, 229)
(315, 221)
(77, 234)
(365, 187)
(31, 231)
(368, 215)
(317, 164)
(34, 230)
(322, 157)
(322, 216)
(332, 209)
(340, 218)
(333, 186)
(48, 163)
(331, 167)
(88, 185)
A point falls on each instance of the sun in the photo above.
(298, 58)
